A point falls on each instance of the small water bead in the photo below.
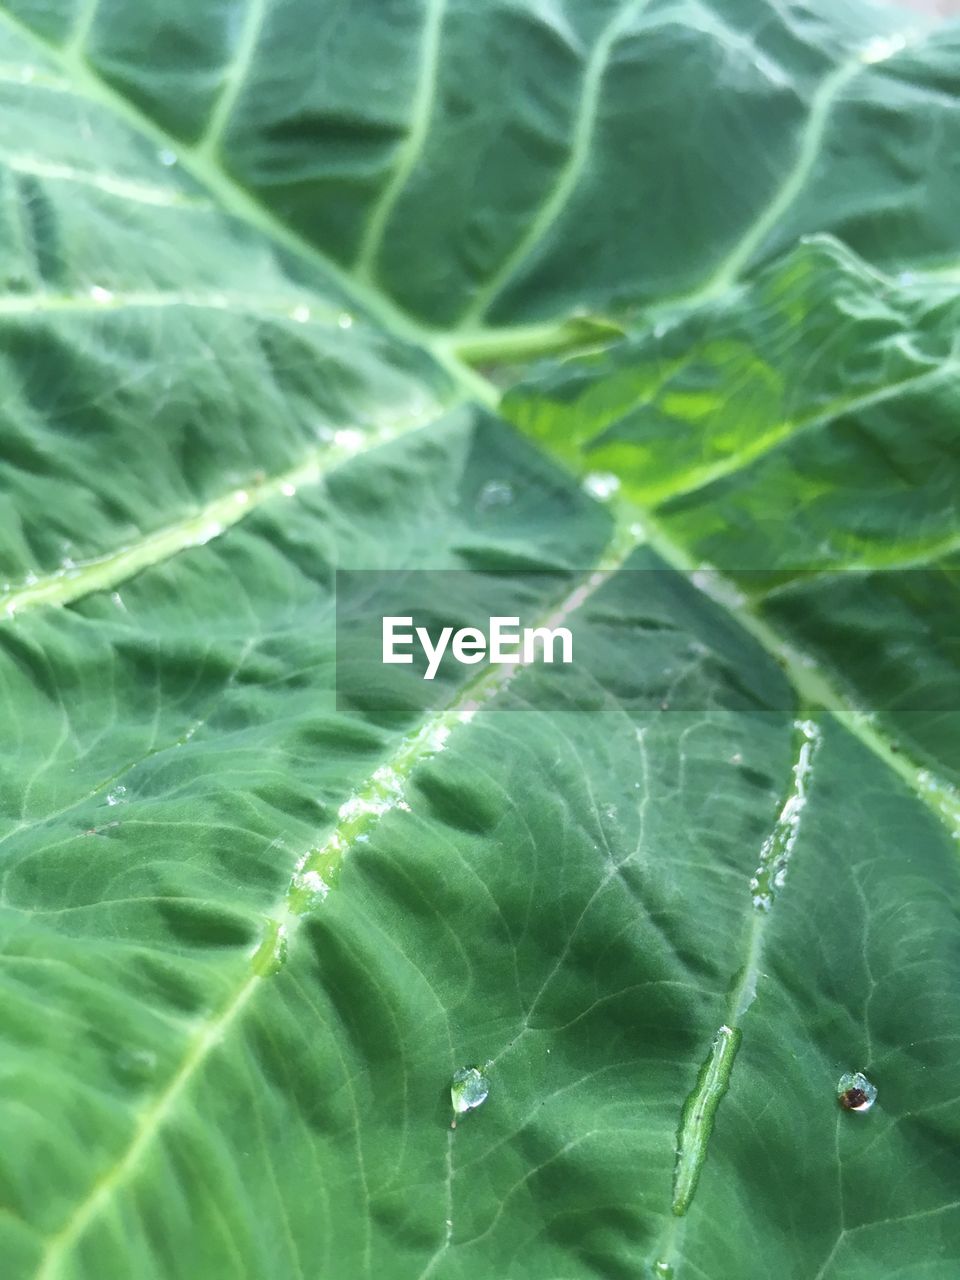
(345, 320)
(135, 1065)
(855, 1092)
(880, 48)
(116, 796)
(495, 493)
(601, 485)
(468, 1091)
(663, 1268)
(310, 890)
(167, 158)
(349, 439)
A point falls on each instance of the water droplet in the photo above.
(855, 1092)
(135, 1064)
(348, 438)
(309, 890)
(209, 532)
(601, 485)
(30, 579)
(300, 314)
(906, 278)
(116, 795)
(345, 320)
(882, 47)
(663, 1268)
(287, 489)
(101, 295)
(167, 158)
(468, 1091)
(495, 493)
(117, 599)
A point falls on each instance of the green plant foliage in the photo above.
(654, 302)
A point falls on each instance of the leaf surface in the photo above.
(665, 899)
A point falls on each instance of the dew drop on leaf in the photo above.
(601, 485)
(495, 493)
(167, 158)
(135, 1065)
(116, 796)
(855, 1092)
(468, 1091)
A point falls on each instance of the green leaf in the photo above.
(265, 932)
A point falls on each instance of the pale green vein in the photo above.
(808, 151)
(700, 1109)
(124, 188)
(516, 343)
(235, 78)
(569, 175)
(811, 683)
(699, 1113)
(204, 1043)
(412, 147)
(27, 74)
(907, 553)
(313, 878)
(105, 572)
(83, 25)
(787, 430)
(300, 308)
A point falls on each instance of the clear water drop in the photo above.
(601, 485)
(101, 295)
(880, 48)
(468, 1090)
(663, 1268)
(167, 158)
(349, 439)
(309, 890)
(495, 493)
(345, 320)
(855, 1092)
(300, 314)
(135, 1064)
(116, 795)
